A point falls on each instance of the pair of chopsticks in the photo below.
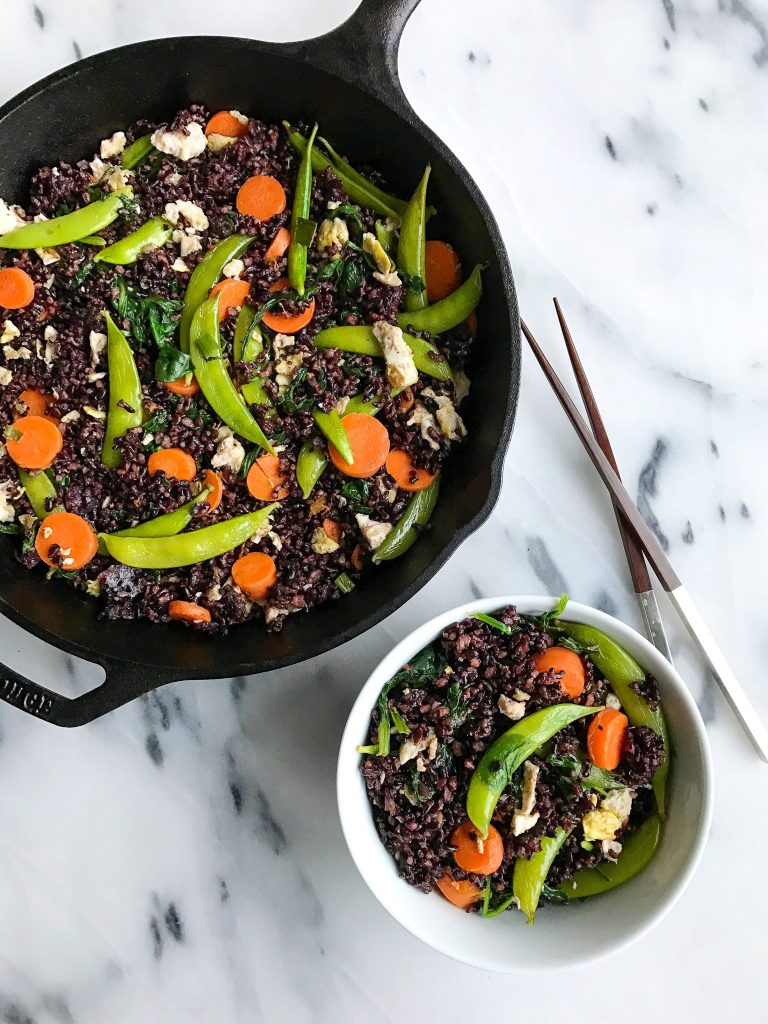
(640, 543)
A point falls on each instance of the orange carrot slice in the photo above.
(462, 893)
(277, 246)
(255, 574)
(474, 854)
(34, 442)
(285, 323)
(560, 659)
(442, 270)
(264, 480)
(36, 402)
(369, 441)
(606, 737)
(182, 386)
(66, 541)
(407, 476)
(332, 529)
(233, 292)
(188, 611)
(261, 197)
(225, 123)
(17, 289)
(175, 463)
(214, 481)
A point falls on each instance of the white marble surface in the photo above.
(214, 885)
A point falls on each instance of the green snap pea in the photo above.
(358, 404)
(411, 248)
(297, 250)
(622, 671)
(450, 312)
(247, 346)
(204, 277)
(331, 426)
(47, 234)
(39, 489)
(403, 535)
(214, 379)
(310, 466)
(637, 851)
(125, 409)
(187, 548)
(362, 341)
(358, 188)
(530, 875)
(149, 236)
(96, 240)
(166, 525)
(505, 755)
(137, 152)
(387, 237)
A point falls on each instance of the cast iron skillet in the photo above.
(348, 80)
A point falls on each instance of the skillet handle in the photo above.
(123, 682)
(363, 50)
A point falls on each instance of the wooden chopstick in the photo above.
(638, 570)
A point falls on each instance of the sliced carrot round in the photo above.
(462, 893)
(277, 246)
(174, 462)
(34, 442)
(475, 854)
(255, 574)
(332, 529)
(606, 737)
(66, 541)
(560, 659)
(213, 480)
(261, 197)
(233, 292)
(182, 386)
(264, 480)
(17, 289)
(407, 476)
(227, 124)
(369, 441)
(442, 269)
(188, 611)
(36, 402)
(287, 323)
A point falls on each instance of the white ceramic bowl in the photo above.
(561, 936)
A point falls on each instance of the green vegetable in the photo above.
(417, 514)
(96, 240)
(166, 525)
(386, 236)
(187, 548)
(310, 466)
(496, 624)
(505, 755)
(346, 586)
(150, 317)
(248, 342)
(204, 277)
(297, 249)
(47, 234)
(530, 875)
(137, 152)
(12, 529)
(213, 378)
(411, 248)
(149, 236)
(637, 850)
(362, 341)
(450, 312)
(358, 404)
(125, 409)
(622, 671)
(40, 490)
(331, 426)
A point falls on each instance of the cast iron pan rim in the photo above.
(295, 51)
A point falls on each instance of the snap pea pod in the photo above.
(505, 755)
(637, 850)
(302, 197)
(450, 312)
(358, 188)
(530, 875)
(125, 410)
(411, 248)
(358, 404)
(622, 671)
(247, 346)
(331, 426)
(405, 531)
(39, 489)
(386, 236)
(96, 240)
(213, 378)
(166, 525)
(47, 234)
(362, 341)
(204, 277)
(149, 236)
(138, 151)
(310, 466)
(187, 548)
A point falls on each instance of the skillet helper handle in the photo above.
(123, 682)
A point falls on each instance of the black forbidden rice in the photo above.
(70, 296)
(416, 811)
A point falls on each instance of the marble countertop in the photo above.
(180, 860)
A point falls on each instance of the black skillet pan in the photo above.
(348, 81)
